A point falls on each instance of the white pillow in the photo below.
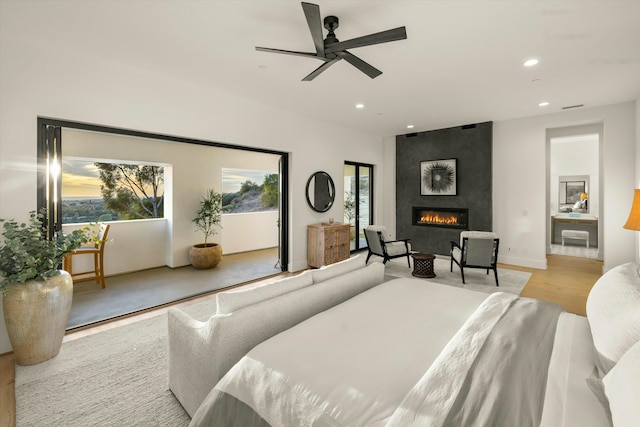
(230, 301)
(622, 387)
(332, 270)
(613, 311)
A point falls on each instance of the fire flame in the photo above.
(437, 219)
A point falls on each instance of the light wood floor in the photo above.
(566, 282)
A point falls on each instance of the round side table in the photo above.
(423, 265)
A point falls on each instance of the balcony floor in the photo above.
(134, 292)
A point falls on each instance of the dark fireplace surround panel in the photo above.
(471, 146)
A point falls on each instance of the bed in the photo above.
(413, 353)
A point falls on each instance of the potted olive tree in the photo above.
(350, 213)
(36, 293)
(207, 219)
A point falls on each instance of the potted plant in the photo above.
(207, 219)
(36, 293)
(350, 213)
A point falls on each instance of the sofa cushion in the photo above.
(233, 335)
(230, 301)
(342, 267)
(613, 311)
(398, 248)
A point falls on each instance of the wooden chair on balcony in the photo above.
(97, 250)
(381, 245)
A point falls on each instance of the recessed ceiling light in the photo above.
(543, 104)
(530, 62)
(409, 126)
(359, 105)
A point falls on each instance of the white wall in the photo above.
(37, 81)
(132, 246)
(143, 244)
(519, 190)
(242, 232)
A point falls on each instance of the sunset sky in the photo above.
(80, 179)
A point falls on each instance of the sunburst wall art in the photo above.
(438, 177)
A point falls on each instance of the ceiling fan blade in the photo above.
(312, 13)
(399, 33)
(291, 52)
(320, 69)
(365, 67)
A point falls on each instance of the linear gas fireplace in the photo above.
(441, 217)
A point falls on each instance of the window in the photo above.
(94, 190)
(249, 190)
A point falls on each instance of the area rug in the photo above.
(113, 378)
(476, 279)
(118, 377)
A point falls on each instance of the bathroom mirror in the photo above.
(573, 193)
(321, 192)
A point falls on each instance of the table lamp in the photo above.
(633, 223)
(585, 199)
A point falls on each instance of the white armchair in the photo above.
(381, 244)
(476, 249)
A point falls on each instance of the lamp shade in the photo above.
(633, 223)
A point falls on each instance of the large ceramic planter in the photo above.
(36, 315)
(205, 256)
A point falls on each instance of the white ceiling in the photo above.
(461, 62)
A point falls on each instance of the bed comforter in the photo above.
(405, 353)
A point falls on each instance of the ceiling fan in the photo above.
(331, 50)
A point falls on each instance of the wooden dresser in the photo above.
(327, 243)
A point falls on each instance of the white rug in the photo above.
(476, 279)
(113, 378)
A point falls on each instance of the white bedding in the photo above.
(569, 401)
(365, 340)
(368, 354)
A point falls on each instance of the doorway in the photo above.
(358, 201)
(574, 191)
(190, 166)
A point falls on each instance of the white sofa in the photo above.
(200, 353)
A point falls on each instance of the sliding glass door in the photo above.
(49, 188)
(358, 201)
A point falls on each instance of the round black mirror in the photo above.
(320, 192)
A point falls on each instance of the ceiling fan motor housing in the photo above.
(331, 23)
